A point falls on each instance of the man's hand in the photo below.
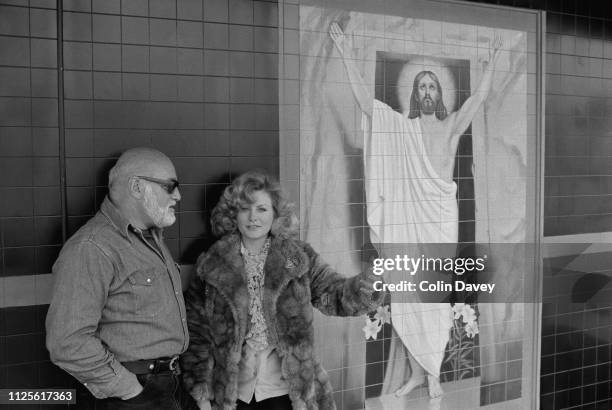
(336, 33)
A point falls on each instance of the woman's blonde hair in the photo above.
(240, 192)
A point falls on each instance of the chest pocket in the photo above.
(148, 296)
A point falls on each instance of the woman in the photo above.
(250, 306)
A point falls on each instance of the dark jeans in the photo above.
(273, 403)
(162, 391)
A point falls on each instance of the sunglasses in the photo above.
(169, 185)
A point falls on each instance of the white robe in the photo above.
(408, 203)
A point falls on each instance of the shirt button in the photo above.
(148, 280)
(176, 293)
(84, 384)
(183, 319)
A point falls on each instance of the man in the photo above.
(117, 316)
(411, 197)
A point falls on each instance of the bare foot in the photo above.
(412, 383)
(435, 390)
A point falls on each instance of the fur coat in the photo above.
(295, 280)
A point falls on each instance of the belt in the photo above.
(161, 365)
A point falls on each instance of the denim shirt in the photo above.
(116, 298)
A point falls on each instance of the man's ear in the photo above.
(135, 187)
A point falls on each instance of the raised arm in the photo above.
(360, 91)
(464, 116)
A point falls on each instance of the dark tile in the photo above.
(135, 58)
(19, 261)
(163, 60)
(163, 87)
(135, 7)
(216, 35)
(589, 394)
(75, 222)
(20, 320)
(189, 34)
(79, 172)
(216, 89)
(265, 39)
(77, 5)
(162, 8)
(106, 6)
(192, 198)
(47, 201)
(216, 116)
(44, 112)
(265, 65)
(43, 23)
(45, 141)
(15, 141)
(16, 171)
(240, 38)
(216, 62)
(22, 376)
(46, 171)
(265, 91)
(265, 13)
(193, 225)
(14, 21)
(241, 11)
(106, 28)
(20, 349)
(239, 165)
(16, 112)
(162, 32)
(107, 57)
(79, 143)
(16, 82)
(52, 376)
(215, 10)
(48, 230)
(80, 201)
(135, 30)
(189, 9)
(77, 55)
(200, 171)
(251, 143)
(107, 86)
(14, 51)
(77, 26)
(46, 257)
(16, 202)
(190, 89)
(41, 315)
(18, 232)
(189, 61)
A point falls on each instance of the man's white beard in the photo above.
(161, 217)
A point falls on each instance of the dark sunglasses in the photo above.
(169, 185)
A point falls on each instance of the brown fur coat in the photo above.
(296, 279)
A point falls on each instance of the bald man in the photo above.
(117, 317)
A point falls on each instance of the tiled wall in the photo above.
(30, 201)
(196, 79)
(577, 322)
